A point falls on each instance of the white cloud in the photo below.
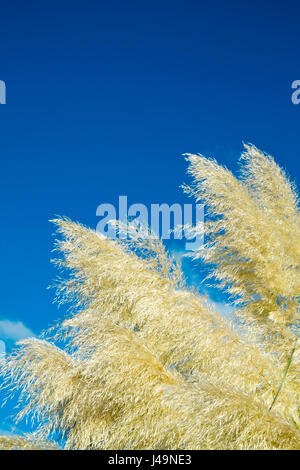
(197, 277)
(224, 309)
(14, 330)
(178, 254)
(4, 432)
(9, 429)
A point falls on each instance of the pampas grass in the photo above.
(146, 362)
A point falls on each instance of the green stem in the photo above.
(284, 375)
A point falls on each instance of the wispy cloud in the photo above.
(14, 330)
(9, 429)
(196, 277)
(223, 308)
(4, 432)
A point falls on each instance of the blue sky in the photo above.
(102, 100)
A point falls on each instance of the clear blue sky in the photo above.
(104, 97)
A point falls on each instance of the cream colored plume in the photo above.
(143, 362)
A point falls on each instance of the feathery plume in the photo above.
(146, 362)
